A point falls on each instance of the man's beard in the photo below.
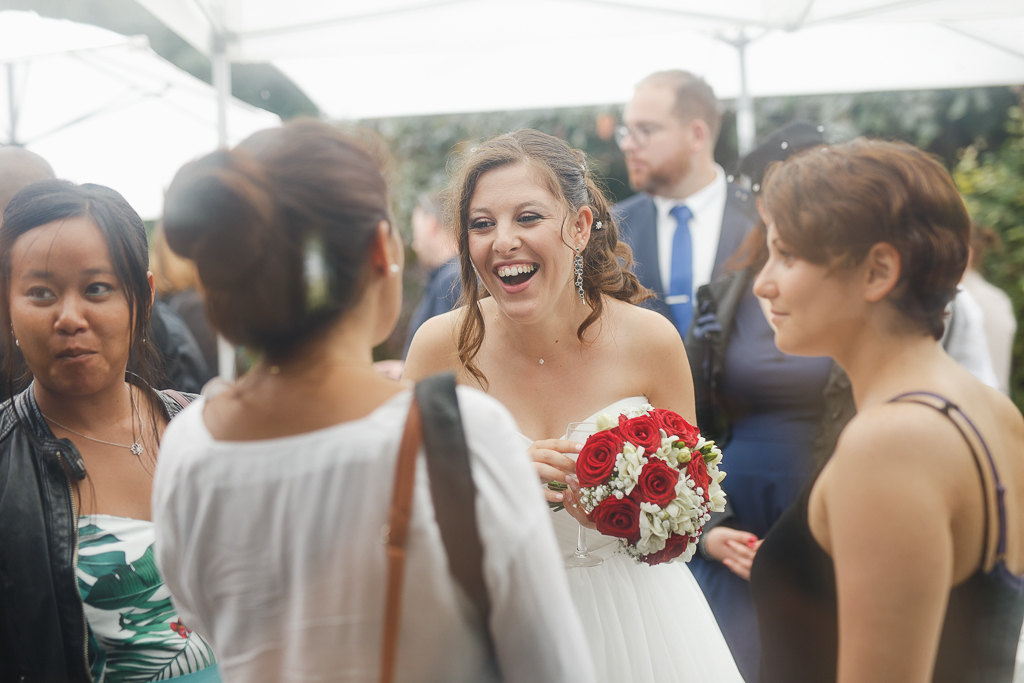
(662, 182)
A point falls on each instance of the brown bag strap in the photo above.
(396, 533)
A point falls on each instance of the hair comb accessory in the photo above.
(315, 267)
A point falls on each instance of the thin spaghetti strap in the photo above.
(948, 407)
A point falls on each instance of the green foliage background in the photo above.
(992, 183)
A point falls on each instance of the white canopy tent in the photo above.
(370, 58)
(104, 108)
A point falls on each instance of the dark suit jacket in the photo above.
(637, 220)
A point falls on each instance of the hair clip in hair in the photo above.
(316, 272)
(598, 225)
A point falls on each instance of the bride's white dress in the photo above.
(644, 624)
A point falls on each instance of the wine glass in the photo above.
(579, 431)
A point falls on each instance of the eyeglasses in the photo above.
(641, 133)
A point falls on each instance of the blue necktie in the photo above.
(680, 289)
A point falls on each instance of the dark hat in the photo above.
(779, 146)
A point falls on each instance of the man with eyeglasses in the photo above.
(686, 219)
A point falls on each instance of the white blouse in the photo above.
(272, 551)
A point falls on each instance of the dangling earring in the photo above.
(578, 267)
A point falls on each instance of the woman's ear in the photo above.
(882, 271)
(152, 287)
(582, 226)
(386, 254)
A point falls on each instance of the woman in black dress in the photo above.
(902, 560)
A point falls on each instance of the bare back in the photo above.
(902, 510)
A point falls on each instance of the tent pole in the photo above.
(746, 131)
(222, 85)
(12, 104)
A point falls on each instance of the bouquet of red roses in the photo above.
(652, 481)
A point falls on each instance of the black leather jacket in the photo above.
(43, 631)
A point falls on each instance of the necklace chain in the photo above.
(136, 447)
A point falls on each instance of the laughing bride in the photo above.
(552, 332)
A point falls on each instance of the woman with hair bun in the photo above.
(549, 326)
(81, 599)
(903, 559)
(272, 497)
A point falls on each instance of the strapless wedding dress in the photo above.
(644, 624)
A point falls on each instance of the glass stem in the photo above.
(581, 542)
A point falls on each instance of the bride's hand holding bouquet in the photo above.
(557, 472)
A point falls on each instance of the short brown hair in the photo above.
(607, 262)
(832, 204)
(694, 98)
(258, 218)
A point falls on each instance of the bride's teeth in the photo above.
(512, 271)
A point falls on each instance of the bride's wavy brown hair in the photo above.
(607, 262)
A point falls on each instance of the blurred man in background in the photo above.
(997, 310)
(437, 251)
(438, 254)
(686, 219)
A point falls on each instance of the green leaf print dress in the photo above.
(135, 633)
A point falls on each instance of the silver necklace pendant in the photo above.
(542, 361)
(136, 448)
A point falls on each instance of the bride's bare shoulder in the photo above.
(642, 327)
(435, 347)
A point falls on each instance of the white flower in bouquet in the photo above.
(637, 411)
(605, 422)
(633, 461)
(717, 496)
(654, 529)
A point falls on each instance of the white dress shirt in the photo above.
(273, 550)
(708, 207)
(964, 339)
(1000, 327)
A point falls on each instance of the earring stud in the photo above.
(394, 268)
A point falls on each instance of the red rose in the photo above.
(657, 482)
(675, 545)
(619, 518)
(674, 423)
(641, 431)
(698, 471)
(597, 459)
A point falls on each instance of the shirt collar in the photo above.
(700, 201)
